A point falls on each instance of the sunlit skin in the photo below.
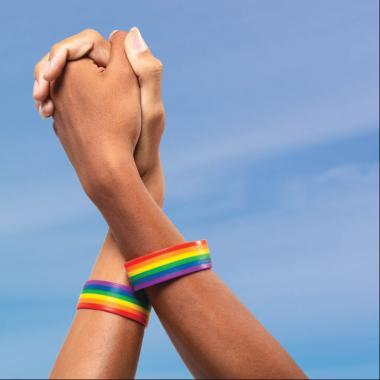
(124, 337)
(109, 118)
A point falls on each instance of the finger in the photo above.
(112, 33)
(118, 63)
(148, 70)
(41, 85)
(88, 42)
(47, 108)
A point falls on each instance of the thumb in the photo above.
(118, 63)
(146, 66)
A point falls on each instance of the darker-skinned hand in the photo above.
(97, 116)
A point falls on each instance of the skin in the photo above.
(84, 354)
(214, 333)
(101, 345)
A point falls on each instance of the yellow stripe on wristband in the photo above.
(88, 297)
(168, 263)
(171, 259)
(118, 299)
(165, 255)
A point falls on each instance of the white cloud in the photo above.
(310, 266)
(32, 205)
(314, 259)
(335, 117)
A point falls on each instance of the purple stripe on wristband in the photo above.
(126, 288)
(172, 275)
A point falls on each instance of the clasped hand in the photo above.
(105, 98)
(107, 107)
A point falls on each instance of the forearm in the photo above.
(101, 345)
(214, 333)
(136, 220)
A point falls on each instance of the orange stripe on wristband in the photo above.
(123, 313)
(114, 298)
(168, 263)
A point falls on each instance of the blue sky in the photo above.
(271, 142)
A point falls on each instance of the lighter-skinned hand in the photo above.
(97, 116)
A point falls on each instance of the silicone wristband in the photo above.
(116, 299)
(168, 263)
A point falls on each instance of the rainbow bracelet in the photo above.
(116, 299)
(168, 263)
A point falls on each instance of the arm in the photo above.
(103, 345)
(214, 333)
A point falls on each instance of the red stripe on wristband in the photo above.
(136, 317)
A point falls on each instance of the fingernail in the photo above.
(112, 33)
(35, 87)
(137, 43)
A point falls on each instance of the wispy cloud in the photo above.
(320, 245)
(305, 261)
(264, 106)
(337, 117)
(34, 205)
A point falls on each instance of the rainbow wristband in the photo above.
(168, 263)
(116, 299)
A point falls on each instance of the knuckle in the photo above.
(37, 68)
(91, 33)
(157, 64)
(153, 67)
(156, 116)
(54, 49)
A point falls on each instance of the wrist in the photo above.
(109, 263)
(108, 180)
(155, 184)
